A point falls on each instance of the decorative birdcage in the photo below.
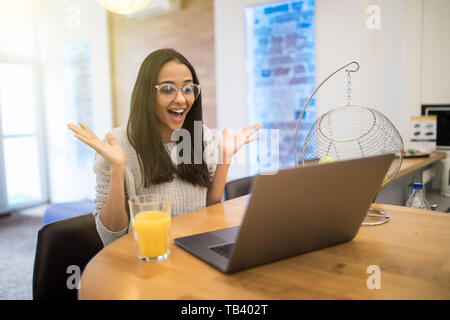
(350, 132)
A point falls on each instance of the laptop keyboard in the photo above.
(224, 250)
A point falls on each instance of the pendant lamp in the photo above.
(124, 6)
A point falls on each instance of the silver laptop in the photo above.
(294, 211)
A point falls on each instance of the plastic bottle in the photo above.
(417, 198)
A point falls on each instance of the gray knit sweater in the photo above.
(185, 196)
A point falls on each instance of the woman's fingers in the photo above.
(80, 131)
(111, 139)
(80, 137)
(109, 149)
(83, 130)
(252, 129)
(73, 127)
(231, 143)
(252, 139)
(82, 125)
(247, 132)
(83, 135)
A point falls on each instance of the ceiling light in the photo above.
(124, 6)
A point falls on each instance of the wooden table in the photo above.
(412, 164)
(412, 252)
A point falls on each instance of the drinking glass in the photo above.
(150, 216)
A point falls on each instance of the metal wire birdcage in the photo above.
(350, 132)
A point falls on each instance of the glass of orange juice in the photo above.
(150, 216)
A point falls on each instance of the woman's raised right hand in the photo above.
(111, 151)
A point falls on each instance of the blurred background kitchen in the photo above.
(65, 61)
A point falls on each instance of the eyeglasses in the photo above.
(168, 92)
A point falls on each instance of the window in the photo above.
(280, 62)
(22, 178)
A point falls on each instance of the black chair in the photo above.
(61, 244)
(239, 187)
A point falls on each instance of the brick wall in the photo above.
(281, 64)
(189, 31)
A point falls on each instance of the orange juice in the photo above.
(152, 228)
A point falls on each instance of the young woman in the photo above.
(136, 159)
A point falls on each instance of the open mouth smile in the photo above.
(177, 114)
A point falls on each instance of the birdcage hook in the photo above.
(354, 63)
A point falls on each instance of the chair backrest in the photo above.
(239, 187)
(65, 243)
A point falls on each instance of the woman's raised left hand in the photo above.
(233, 142)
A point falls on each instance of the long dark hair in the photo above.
(143, 128)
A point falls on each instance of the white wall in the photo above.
(69, 182)
(396, 73)
(436, 52)
(411, 79)
(383, 61)
(339, 37)
(390, 57)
